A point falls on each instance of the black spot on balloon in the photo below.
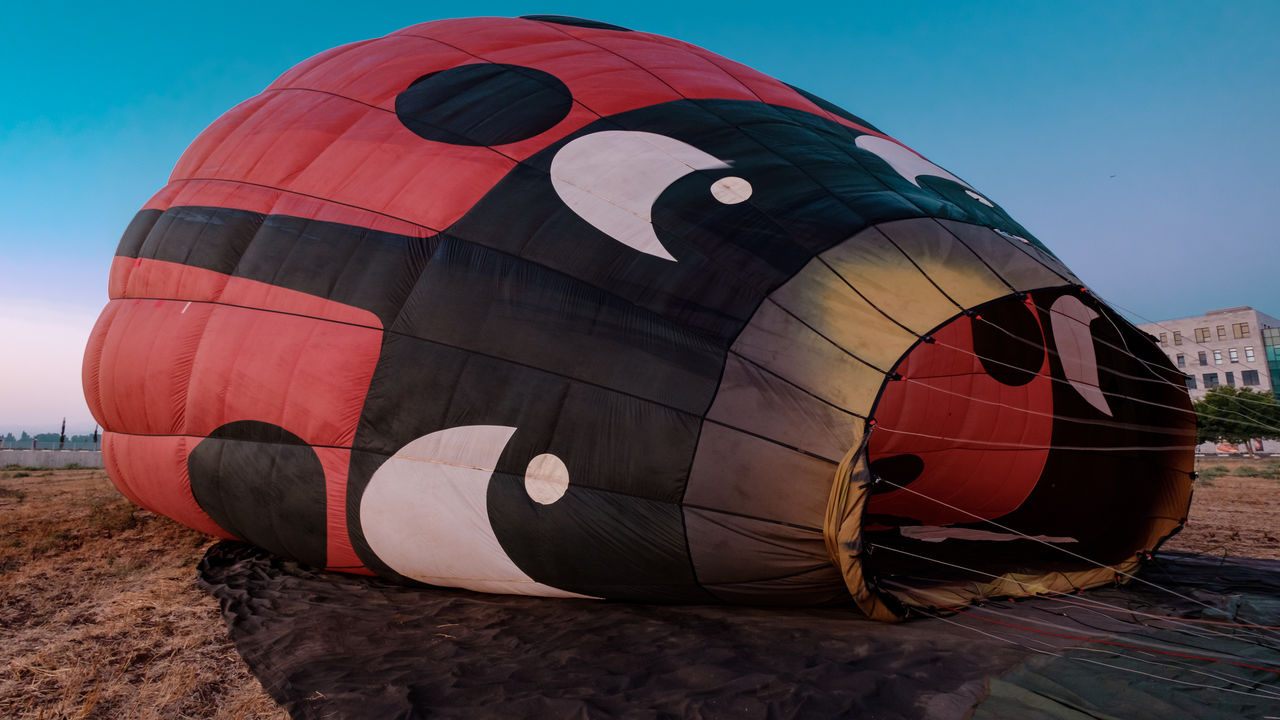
(576, 22)
(264, 485)
(483, 104)
(1008, 341)
(833, 108)
(896, 471)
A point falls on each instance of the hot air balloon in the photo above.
(547, 306)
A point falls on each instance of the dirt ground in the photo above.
(1235, 510)
(100, 614)
(101, 617)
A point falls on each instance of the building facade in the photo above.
(1237, 346)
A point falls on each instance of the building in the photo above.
(1237, 346)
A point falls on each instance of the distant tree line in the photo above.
(1236, 415)
(24, 440)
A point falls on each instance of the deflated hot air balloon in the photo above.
(547, 306)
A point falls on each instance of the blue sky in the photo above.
(1135, 139)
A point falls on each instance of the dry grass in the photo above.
(100, 613)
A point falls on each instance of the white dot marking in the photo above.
(731, 190)
(546, 479)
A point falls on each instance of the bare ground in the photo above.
(100, 614)
(1235, 510)
(101, 617)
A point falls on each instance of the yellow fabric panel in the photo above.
(956, 270)
(782, 344)
(884, 275)
(825, 302)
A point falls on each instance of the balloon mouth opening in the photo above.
(989, 470)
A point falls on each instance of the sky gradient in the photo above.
(1136, 140)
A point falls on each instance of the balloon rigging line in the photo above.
(1062, 381)
(1260, 640)
(1180, 663)
(1129, 646)
(1153, 641)
(1177, 665)
(1108, 369)
(1242, 399)
(1255, 420)
(1204, 621)
(810, 393)
(1157, 429)
(1155, 369)
(1063, 550)
(1101, 341)
(851, 354)
(1126, 349)
(994, 444)
(1187, 627)
(1065, 656)
(1229, 657)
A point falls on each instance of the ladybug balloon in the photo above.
(547, 306)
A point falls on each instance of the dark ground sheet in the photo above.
(334, 646)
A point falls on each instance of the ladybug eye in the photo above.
(483, 104)
(612, 178)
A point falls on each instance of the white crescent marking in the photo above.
(1070, 319)
(612, 178)
(425, 513)
(905, 162)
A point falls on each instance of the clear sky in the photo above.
(1136, 139)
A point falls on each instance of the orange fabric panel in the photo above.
(339, 553)
(307, 376)
(984, 444)
(152, 472)
(148, 348)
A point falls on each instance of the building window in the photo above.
(1202, 334)
(1222, 332)
(1164, 338)
(1231, 379)
(1234, 354)
(1182, 360)
(1210, 380)
(1248, 354)
(1240, 330)
(1177, 337)
(1203, 359)
(1217, 357)
(1191, 382)
(1248, 377)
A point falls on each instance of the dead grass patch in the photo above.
(100, 613)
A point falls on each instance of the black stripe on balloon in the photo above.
(575, 22)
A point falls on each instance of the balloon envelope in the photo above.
(547, 306)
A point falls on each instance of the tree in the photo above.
(1236, 415)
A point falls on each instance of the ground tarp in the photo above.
(335, 646)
